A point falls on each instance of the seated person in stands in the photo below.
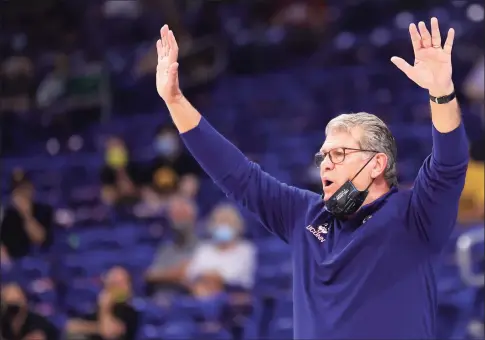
(227, 260)
(174, 169)
(26, 223)
(18, 322)
(118, 174)
(115, 317)
(166, 272)
(471, 208)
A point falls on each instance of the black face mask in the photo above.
(12, 310)
(347, 199)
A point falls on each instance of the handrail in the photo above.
(464, 247)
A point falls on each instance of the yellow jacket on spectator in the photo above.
(472, 198)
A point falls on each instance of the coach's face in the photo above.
(342, 160)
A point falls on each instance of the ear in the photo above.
(380, 164)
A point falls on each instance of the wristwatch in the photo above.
(443, 99)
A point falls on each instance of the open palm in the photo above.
(167, 66)
(432, 63)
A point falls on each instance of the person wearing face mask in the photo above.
(115, 317)
(363, 251)
(118, 175)
(226, 257)
(165, 274)
(26, 223)
(173, 168)
(18, 322)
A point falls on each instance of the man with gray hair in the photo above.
(362, 252)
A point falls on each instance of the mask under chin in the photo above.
(346, 200)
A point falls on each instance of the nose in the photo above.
(326, 165)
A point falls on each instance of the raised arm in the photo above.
(273, 202)
(438, 186)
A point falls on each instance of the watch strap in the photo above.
(443, 99)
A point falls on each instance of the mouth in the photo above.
(327, 183)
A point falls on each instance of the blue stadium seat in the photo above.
(149, 332)
(34, 267)
(282, 323)
(178, 330)
(216, 334)
(151, 314)
(82, 299)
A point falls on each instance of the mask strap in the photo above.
(357, 174)
(369, 184)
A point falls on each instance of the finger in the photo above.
(449, 41)
(425, 35)
(174, 49)
(163, 36)
(402, 65)
(163, 31)
(172, 40)
(435, 33)
(415, 38)
(159, 48)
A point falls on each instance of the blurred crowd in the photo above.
(202, 264)
(111, 230)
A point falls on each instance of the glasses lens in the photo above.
(318, 159)
(337, 155)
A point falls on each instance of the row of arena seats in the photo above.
(81, 255)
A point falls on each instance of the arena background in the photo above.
(116, 194)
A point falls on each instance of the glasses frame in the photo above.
(320, 156)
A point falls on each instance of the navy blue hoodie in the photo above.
(368, 277)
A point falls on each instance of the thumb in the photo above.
(173, 68)
(402, 65)
(172, 74)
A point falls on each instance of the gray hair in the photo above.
(375, 136)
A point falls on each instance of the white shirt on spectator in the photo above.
(235, 265)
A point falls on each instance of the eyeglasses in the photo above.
(336, 155)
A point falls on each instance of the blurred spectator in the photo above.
(474, 85)
(16, 76)
(118, 174)
(26, 223)
(173, 16)
(167, 269)
(300, 14)
(18, 322)
(121, 9)
(85, 95)
(227, 259)
(53, 86)
(198, 27)
(174, 168)
(115, 317)
(471, 208)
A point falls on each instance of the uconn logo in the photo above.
(319, 233)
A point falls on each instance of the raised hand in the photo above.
(432, 63)
(167, 67)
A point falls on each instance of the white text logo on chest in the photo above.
(319, 233)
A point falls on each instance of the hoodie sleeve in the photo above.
(438, 186)
(277, 205)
